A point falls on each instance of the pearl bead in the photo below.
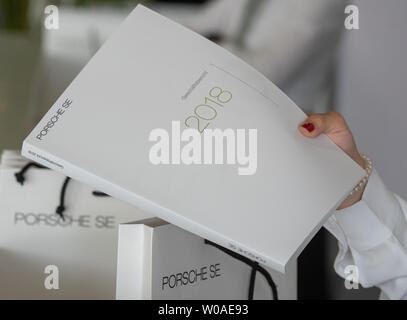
(369, 169)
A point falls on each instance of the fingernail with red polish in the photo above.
(309, 126)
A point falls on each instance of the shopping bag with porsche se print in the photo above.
(58, 238)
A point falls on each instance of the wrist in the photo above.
(356, 195)
(352, 199)
(360, 160)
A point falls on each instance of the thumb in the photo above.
(329, 123)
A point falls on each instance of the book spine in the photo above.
(120, 193)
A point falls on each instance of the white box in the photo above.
(157, 260)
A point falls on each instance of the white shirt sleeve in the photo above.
(372, 235)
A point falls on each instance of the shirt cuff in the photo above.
(372, 220)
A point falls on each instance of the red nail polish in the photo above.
(309, 126)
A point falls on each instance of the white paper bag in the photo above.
(32, 236)
(157, 260)
(12, 159)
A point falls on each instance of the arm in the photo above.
(371, 226)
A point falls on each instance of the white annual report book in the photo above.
(174, 124)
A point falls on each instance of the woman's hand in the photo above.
(335, 127)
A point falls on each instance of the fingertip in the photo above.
(308, 126)
(304, 131)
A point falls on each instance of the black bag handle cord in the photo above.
(61, 207)
(20, 175)
(255, 267)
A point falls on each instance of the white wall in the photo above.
(372, 93)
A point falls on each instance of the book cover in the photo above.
(166, 120)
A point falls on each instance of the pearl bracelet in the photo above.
(369, 168)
